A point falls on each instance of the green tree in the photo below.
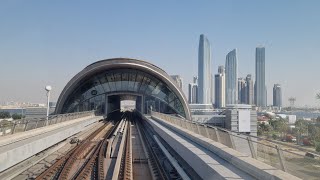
(272, 123)
(4, 115)
(260, 132)
(274, 136)
(264, 128)
(301, 127)
(314, 133)
(16, 116)
(317, 146)
(279, 125)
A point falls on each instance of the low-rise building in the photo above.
(37, 112)
(241, 118)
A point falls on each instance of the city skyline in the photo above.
(44, 47)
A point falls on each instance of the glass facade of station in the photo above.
(91, 93)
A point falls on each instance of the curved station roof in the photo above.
(88, 89)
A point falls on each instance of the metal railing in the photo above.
(22, 125)
(286, 158)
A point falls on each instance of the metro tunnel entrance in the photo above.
(119, 103)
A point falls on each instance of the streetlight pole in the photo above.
(48, 89)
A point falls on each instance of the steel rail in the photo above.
(96, 159)
(56, 169)
(156, 167)
(126, 170)
(128, 175)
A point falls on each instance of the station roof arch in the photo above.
(121, 75)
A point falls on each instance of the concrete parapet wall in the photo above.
(255, 168)
(18, 147)
(205, 166)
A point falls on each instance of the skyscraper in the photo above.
(231, 77)
(220, 88)
(249, 90)
(178, 80)
(260, 85)
(241, 91)
(204, 71)
(193, 94)
(277, 96)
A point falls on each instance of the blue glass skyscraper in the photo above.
(204, 71)
(232, 77)
(277, 96)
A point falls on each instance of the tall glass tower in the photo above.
(260, 84)
(220, 88)
(249, 90)
(204, 71)
(277, 95)
(232, 77)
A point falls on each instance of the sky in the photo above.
(48, 42)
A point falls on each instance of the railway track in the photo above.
(126, 161)
(152, 155)
(157, 170)
(128, 156)
(94, 166)
(124, 151)
(61, 168)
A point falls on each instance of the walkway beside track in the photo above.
(212, 160)
(18, 147)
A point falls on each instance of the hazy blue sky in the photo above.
(48, 42)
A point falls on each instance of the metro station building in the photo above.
(102, 85)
